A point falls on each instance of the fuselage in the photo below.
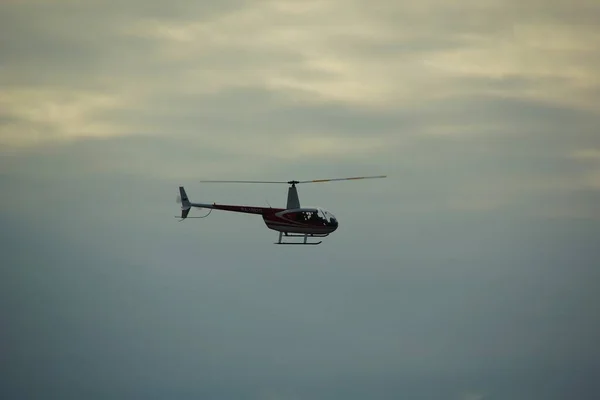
(301, 220)
(305, 220)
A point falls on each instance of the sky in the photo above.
(471, 272)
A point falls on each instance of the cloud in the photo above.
(586, 155)
(553, 58)
(480, 100)
(473, 396)
(384, 58)
(42, 116)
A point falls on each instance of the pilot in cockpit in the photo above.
(314, 216)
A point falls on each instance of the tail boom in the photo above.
(186, 206)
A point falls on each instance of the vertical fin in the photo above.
(185, 203)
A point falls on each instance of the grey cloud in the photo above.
(102, 47)
(83, 42)
(255, 109)
(136, 69)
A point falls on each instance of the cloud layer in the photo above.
(69, 63)
(467, 274)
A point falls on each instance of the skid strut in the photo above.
(304, 236)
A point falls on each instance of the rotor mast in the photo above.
(293, 201)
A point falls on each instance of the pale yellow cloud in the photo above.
(304, 146)
(41, 116)
(316, 52)
(554, 58)
(286, 29)
(542, 52)
(586, 155)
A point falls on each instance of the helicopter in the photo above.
(291, 221)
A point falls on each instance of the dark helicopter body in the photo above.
(292, 221)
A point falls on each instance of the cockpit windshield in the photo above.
(327, 216)
(316, 216)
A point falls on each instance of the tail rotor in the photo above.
(186, 205)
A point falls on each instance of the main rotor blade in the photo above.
(343, 179)
(295, 182)
(243, 182)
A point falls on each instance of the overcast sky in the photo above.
(470, 273)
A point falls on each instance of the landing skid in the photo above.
(305, 236)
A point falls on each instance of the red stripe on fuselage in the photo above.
(247, 209)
